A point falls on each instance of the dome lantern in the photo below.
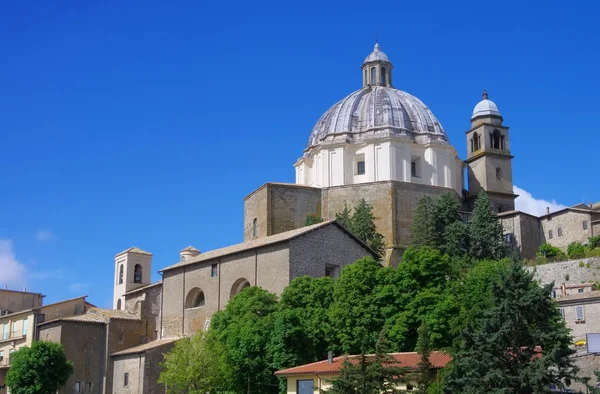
(377, 69)
(486, 108)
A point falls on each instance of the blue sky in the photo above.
(147, 123)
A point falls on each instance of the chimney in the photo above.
(330, 357)
(547, 210)
(590, 204)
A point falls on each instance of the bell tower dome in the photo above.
(132, 270)
(489, 161)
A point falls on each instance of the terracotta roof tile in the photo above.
(407, 359)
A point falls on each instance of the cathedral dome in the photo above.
(485, 107)
(378, 111)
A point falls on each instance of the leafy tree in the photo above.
(551, 252)
(446, 215)
(370, 374)
(576, 250)
(312, 219)
(486, 232)
(425, 368)
(242, 328)
(519, 344)
(311, 298)
(195, 365)
(594, 242)
(40, 369)
(424, 229)
(345, 217)
(361, 297)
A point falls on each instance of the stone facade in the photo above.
(525, 232)
(14, 301)
(270, 263)
(565, 226)
(146, 303)
(569, 272)
(393, 204)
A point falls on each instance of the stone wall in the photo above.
(153, 359)
(570, 225)
(133, 365)
(147, 304)
(569, 271)
(312, 253)
(14, 301)
(256, 207)
(587, 363)
(84, 346)
(526, 231)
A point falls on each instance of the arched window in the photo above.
(499, 173)
(383, 75)
(238, 286)
(373, 76)
(475, 143)
(254, 228)
(121, 275)
(496, 138)
(119, 304)
(195, 298)
(137, 274)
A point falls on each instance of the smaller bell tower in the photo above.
(489, 162)
(133, 269)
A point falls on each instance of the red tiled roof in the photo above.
(407, 359)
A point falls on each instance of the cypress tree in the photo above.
(424, 231)
(363, 226)
(345, 217)
(486, 232)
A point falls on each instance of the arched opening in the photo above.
(475, 143)
(497, 140)
(195, 298)
(137, 274)
(238, 286)
(383, 76)
(366, 78)
(373, 76)
(120, 275)
(119, 304)
(254, 228)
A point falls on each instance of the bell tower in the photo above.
(377, 69)
(488, 156)
(132, 270)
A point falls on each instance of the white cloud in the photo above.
(529, 204)
(43, 235)
(12, 273)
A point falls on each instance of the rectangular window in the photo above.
(14, 329)
(553, 293)
(25, 327)
(10, 353)
(77, 387)
(579, 312)
(5, 331)
(559, 231)
(126, 379)
(585, 225)
(413, 168)
(305, 387)
(88, 387)
(360, 168)
(41, 318)
(562, 312)
(1, 355)
(331, 271)
(549, 234)
(214, 270)
(580, 290)
(508, 238)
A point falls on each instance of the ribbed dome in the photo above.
(485, 107)
(379, 111)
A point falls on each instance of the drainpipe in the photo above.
(162, 292)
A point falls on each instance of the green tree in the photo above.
(446, 215)
(486, 232)
(40, 369)
(363, 226)
(424, 228)
(576, 250)
(243, 329)
(195, 365)
(312, 219)
(425, 373)
(550, 252)
(370, 374)
(519, 344)
(456, 239)
(594, 242)
(362, 297)
(345, 217)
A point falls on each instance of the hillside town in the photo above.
(390, 265)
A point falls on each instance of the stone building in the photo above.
(559, 228)
(20, 327)
(386, 146)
